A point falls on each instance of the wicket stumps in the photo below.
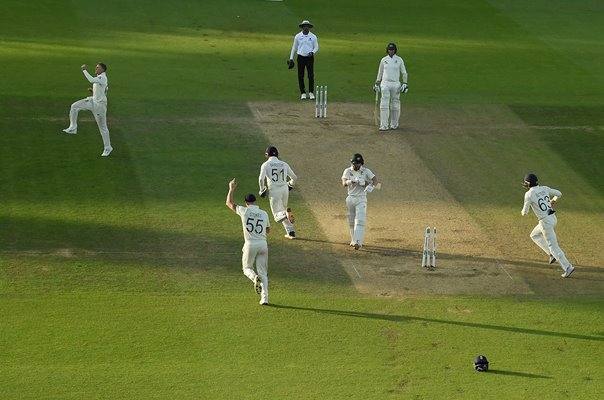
(321, 101)
(429, 260)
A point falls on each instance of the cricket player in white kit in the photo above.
(97, 104)
(541, 199)
(278, 177)
(387, 82)
(359, 180)
(256, 226)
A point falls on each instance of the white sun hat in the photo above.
(306, 22)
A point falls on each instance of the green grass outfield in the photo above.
(120, 278)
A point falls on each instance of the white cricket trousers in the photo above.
(545, 237)
(278, 197)
(99, 110)
(357, 215)
(390, 105)
(256, 252)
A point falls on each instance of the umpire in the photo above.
(305, 46)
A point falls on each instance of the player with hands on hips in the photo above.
(391, 68)
(359, 180)
(541, 199)
(256, 226)
(277, 177)
(97, 104)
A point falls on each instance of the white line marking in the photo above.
(355, 270)
(504, 270)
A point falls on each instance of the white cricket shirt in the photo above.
(254, 222)
(355, 189)
(391, 69)
(276, 172)
(538, 198)
(304, 44)
(99, 86)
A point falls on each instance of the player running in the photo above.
(274, 174)
(541, 199)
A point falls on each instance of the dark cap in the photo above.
(250, 198)
(357, 158)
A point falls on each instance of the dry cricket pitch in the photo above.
(411, 197)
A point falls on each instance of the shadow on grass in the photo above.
(519, 374)
(403, 318)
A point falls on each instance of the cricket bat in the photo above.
(376, 109)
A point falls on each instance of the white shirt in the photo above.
(254, 222)
(276, 172)
(304, 44)
(538, 198)
(99, 86)
(391, 69)
(354, 189)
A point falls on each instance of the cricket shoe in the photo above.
(311, 96)
(394, 127)
(357, 246)
(291, 235)
(383, 128)
(552, 259)
(264, 302)
(106, 152)
(71, 131)
(568, 271)
(303, 96)
(257, 284)
(351, 243)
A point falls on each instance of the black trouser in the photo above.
(309, 63)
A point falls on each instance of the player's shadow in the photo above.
(476, 325)
(519, 374)
(385, 251)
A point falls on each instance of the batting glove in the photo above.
(263, 193)
(290, 64)
(290, 186)
(361, 181)
(404, 88)
(376, 88)
(369, 188)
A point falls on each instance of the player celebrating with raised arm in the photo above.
(274, 174)
(97, 104)
(541, 199)
(255, 250)
(359, 180)
(387, 82)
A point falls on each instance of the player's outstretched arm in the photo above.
(229, 199)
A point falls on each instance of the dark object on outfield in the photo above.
(481, 364)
